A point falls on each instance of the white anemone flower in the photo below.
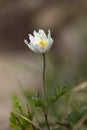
(39, 41)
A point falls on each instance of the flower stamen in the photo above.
(43, 43)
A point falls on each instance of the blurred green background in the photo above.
(67, 20)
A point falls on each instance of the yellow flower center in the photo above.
(43, 43)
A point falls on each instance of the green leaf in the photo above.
(59, 92)
(13, 121)
(17, 122)
(35, 99)
(74, 117)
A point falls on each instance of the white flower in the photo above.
(40, 42)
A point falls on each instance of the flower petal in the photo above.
(42, 35)
(31, 47)
(40, 42)
(31, 37)
(26, 42)
(49, 37)
(36, 37)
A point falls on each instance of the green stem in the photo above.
(46, 120)
(44, 91)
(44, 67)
